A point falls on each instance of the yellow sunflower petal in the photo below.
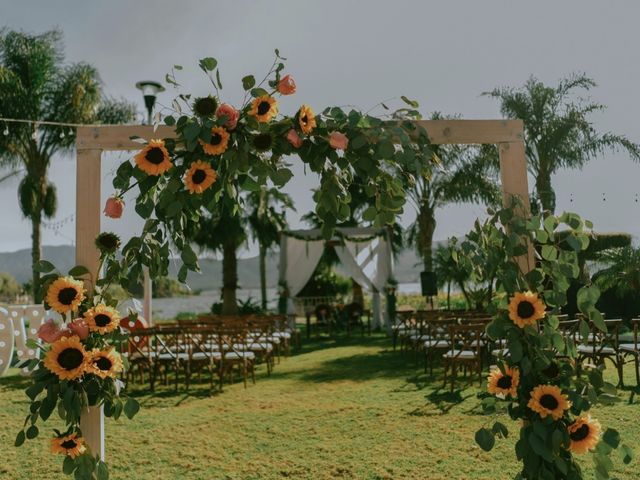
(306, 119)
(67, 358)
(584, 434)
(102, 319)
(503, 384)
(65, 294)
(548, 400)
(200, 177)
(154, 158)
(526, 308)
(219, 142)
(105, 363)
(70, 445)
(264, 108)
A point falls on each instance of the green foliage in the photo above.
(36, 84)
(559, 132)
(325, 282)
(543, 442)
(9, 287)
(246, 307)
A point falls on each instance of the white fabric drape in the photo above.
(302, 258)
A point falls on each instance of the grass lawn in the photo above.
(338, 410)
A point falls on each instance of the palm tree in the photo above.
(558, 130)
(266, 223)
(36, 85)
(465, 174)
(222, 231)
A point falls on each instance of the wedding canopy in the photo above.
(365, 254)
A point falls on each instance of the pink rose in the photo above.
(232, 115)
(294, 138)
(286, 85)
(338, 141)
(114, 207)
(79, 328)
(50, 332)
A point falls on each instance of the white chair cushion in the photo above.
(588, 350)
(436, 344)
(464, 354)
(630, 347)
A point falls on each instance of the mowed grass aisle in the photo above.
(339, 409)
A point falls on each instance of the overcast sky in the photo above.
(348, 52)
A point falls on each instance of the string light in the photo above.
(6, 130)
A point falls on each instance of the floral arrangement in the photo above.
(219, 151)
(80, 364)
(538, 376)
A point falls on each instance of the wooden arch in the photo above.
(508, 135)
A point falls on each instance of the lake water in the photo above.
(170, 307)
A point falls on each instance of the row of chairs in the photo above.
(216, 345)
(460, 339)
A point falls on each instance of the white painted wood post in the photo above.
(88, 213)
(147, 297)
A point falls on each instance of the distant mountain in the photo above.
(407, 268)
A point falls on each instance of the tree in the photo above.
(222, 231)
(266, 223)
(558, 130)
(36, 85)
(466, 174)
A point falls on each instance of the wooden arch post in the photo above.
(508, 135)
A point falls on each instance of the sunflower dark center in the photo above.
(549, 402)
(580, 433)
(109, 241)
(552, 371)
(102, 320)
(304, 119)
(68, 444)
(104, 363)
(206, 106)
(262, 141)
(155, 156)
(525, 309)
(505, 382)
(198, 176)
(263, 107)
(216, 139)
(67, 295)
(70, 358)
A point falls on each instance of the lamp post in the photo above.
(150, 90)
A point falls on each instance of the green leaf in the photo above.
(248, 82)
(611, 437)
(258, 92)
(131, 407)
(410, 102)
(169, 120)
(500, 429)
(44, 266)
(20, 438)
(208, 64)
(218, 81)
(32, 432)
(627, 453)
(78, 271)
(68, 465)
(485, 439)
(102, 471)
(386, 149)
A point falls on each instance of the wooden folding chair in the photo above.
(465, 351)
(602, 346)
(632, 350)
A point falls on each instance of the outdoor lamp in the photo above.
(150, 90)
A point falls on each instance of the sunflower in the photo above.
(526, 309)
(65, 294)
(219, 142)
(108, 242)
(504, 384)
(67, 358)
(264, 108)
(105, 363)
(154, 158)
(71, 445)
(102, 319)
(205, 106)
(548, 400)
(262, 142)
(584, 434)
(306, 119)
(200, 177)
